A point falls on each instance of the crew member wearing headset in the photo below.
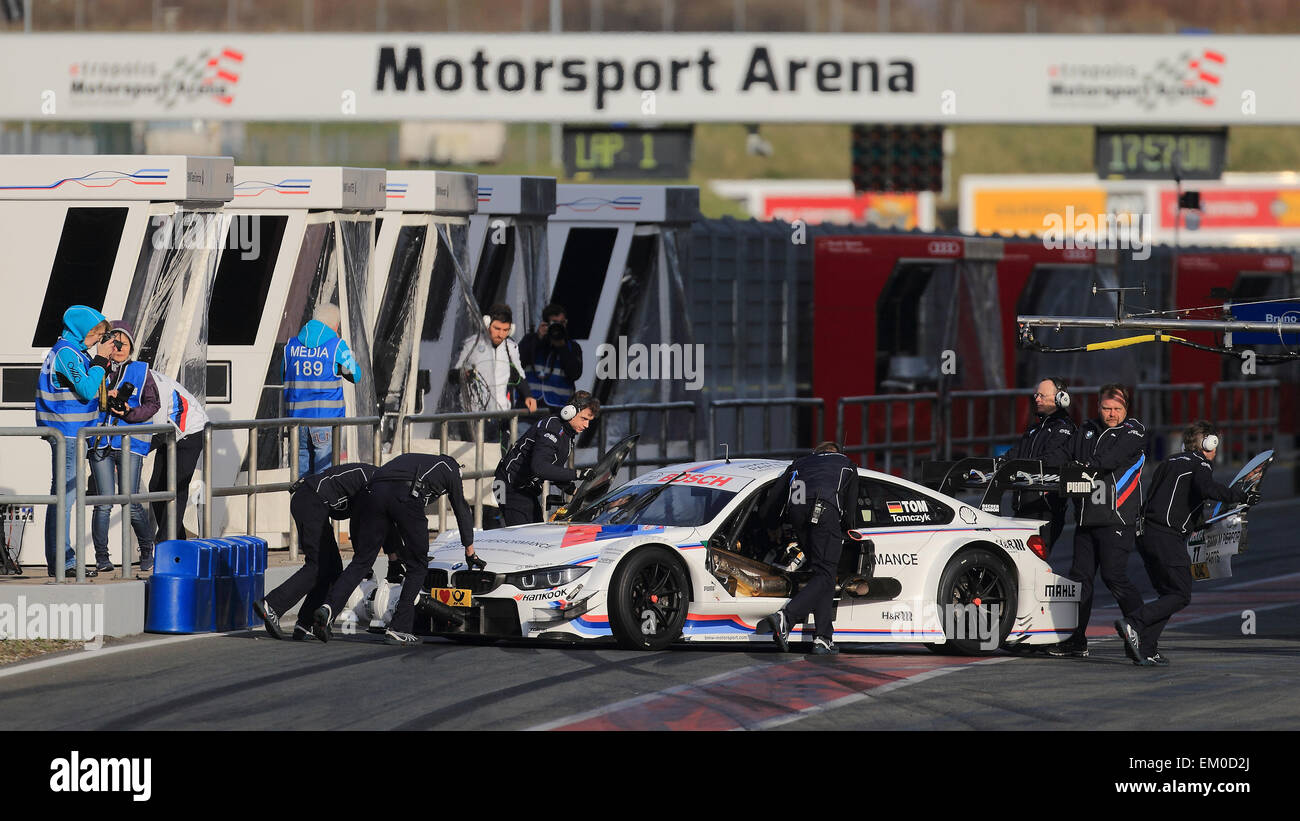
(1182, 484)
(491, 371)
(1048, 437)
(541, 455)
(398, 494)
(314, 501)
(1111, 451)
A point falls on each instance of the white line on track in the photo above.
(18, 668)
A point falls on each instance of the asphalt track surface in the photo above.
(1220, 678)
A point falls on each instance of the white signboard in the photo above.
(653, 77)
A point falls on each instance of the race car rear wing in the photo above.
(995, 479)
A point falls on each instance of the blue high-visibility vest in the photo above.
(311, 388)
(546, 378)
(57, 405)
(135, 373)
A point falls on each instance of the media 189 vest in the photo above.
(311, 388)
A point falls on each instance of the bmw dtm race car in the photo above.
(679, 554)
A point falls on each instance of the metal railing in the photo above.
(56, 499)
(1249, 409)
(252, 488)
(664, 409)
(909, 448)
(766, 406)
(479, 470)
(125, 467)
(982, 420)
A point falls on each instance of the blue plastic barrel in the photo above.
(224, 596)
(181, 593)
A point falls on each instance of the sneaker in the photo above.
(146, 561)
(1143, 662)
(301, 633)
(824, 647)
(90, 572)
(1156, 658)
(1068, 649)
(1132, 642)
(395, 575)
(103, 567)
(779, 627)
(269, 617)
(321, 622)
(401, 639)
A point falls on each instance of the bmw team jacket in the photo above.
(1182, 484)
(1115, 457)
(1049, 438)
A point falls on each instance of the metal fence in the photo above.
(56, 499)
(168, 494)
(765, 407)
(252, 488)
(896, 431)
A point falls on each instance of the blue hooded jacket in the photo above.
(73, 370)
(316, 333)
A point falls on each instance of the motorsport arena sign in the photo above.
(653, 77)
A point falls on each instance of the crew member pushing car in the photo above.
(820, 492)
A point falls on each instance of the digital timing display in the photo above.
(627, 153)
(1151, 154)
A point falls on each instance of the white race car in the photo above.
(679, 554)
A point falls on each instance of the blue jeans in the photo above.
(315, 450)
(106, 466)
(69, 500)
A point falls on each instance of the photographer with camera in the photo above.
(552, 361)
(132, 399)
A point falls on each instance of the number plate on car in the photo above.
(452, 596)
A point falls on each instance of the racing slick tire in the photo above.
(648, 600)
(975, 576)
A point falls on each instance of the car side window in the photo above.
(885, 504)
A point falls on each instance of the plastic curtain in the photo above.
(396, 334)
(468, 324)
(168, 301)
(356, 248)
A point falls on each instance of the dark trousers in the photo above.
(521, 508)
(1164, 552)
(188, 451)
(385, 505)
(321, 561)
(1048, 509)
(1106, 548)
(822, 543)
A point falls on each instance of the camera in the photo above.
(118, 403)
(556, 332)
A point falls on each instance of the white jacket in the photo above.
(178, 407)
(493, 366)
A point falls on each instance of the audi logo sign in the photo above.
(945, 248)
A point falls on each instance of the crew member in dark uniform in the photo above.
(541, 455)
(316, 500)
(1111, 450)
(1182, 484)
(1048, 437)
(398, 494)
(820, 492)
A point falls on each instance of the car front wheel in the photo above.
(648, 600)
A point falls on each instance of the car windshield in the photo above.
(673, 506)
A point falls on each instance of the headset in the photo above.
(487, 323)
(1209, 442)
(575, 405)
(1062, 398)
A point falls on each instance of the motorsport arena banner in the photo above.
(653, 77)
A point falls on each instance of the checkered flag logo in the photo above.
(1191, 71)
(188, 75)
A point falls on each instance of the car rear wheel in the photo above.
(975, 582)
(648, 600)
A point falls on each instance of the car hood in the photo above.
(545, 545)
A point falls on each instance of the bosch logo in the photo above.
(944, 248)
